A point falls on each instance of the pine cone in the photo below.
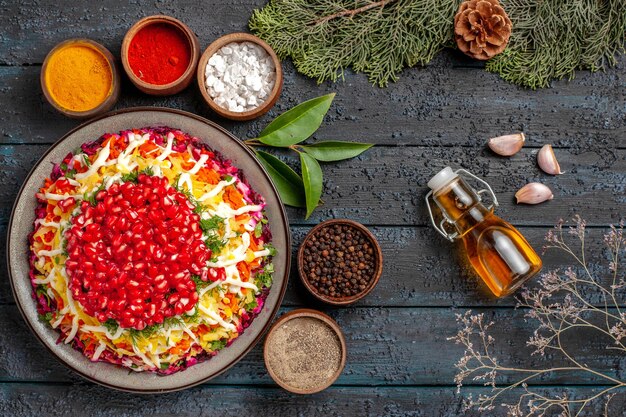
(482, 28)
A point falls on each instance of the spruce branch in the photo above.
(379, 38)
(351, 13)
(551, 39)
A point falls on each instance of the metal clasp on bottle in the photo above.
(441, 227)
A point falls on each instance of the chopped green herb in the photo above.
(86, 160)
(212, 224)
(130, 177)
(228, 178)
(91, 198)
(111, 325)
(215, 244)
(198, 208)
(218, 344)
(133, 176)
(264, 278)
(42, 291)
(258, 230)
(199, 283)
(145, 333)
(165, 365)
(195, 317)
(70, 174)
(173, 322)
(271, 248)
(46, 318)
(251, 305)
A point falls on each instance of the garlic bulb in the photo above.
(507, 145)
(547, 161)
(533, 193)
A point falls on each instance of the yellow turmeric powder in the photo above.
(78, 77)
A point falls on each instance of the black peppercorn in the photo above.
(339, 263)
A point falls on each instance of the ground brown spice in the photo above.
(304, 353)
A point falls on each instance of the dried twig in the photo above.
(558, 305)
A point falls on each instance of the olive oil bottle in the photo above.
(497, 251)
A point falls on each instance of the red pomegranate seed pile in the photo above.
(131, 257)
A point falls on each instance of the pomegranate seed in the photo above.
(66, 204)
(131, 255)
(100, 209)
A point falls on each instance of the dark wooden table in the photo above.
(399, 361)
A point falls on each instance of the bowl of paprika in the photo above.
(160, 55)
(79, 78)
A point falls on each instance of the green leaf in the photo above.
(334, 150)
(288, 183)
(312, 177)
(297, 124)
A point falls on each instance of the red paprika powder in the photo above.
(159, 53)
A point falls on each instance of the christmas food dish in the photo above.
(149, 250)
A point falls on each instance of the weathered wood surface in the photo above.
(386, 346)
(436, 106)
(418, 273)
(62, 400)
(387, 185)
(399, 361)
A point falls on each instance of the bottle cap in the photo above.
(442, 178)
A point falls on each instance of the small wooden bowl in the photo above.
(305, 312)
(177, 85)
(113, 96)
(378, 263)
(274, 94)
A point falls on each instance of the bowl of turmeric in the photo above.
(79, 78)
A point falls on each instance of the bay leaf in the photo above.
(297, 124)
(288, 183)
(335, 150)
(313, 179)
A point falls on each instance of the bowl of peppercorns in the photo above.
(340, 261)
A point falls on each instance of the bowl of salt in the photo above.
(239, 76)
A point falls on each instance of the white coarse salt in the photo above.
(240, 76)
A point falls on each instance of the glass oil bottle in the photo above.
(497, 251)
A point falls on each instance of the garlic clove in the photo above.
(507, 145)
(547, 161)
(533, 193)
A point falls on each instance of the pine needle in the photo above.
(551, 38)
